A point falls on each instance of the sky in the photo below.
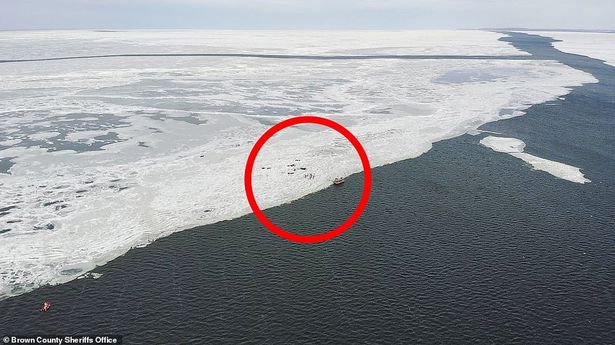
(306, 14)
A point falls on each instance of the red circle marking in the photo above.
(367, 180)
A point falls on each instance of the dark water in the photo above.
(6, 164)
(461, 245)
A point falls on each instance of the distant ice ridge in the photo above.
(112, 154)
(597, 45)
(515, 147)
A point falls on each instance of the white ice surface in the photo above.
(593, 44)
(44, 44)
(90, 275)
(178, 131)
(515, 147)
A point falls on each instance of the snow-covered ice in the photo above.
(515, 147)
(597, 45)
(45, 44)
(114, 153)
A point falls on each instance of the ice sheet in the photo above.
(593, 44)
(149, 146)
(44, 44)
(515, 148)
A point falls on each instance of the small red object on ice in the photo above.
(46, 306)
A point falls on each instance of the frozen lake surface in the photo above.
(597, 45)
(102, 155)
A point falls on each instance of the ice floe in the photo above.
(515, 147)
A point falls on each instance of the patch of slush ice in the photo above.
(43, 135)
(515, 147)
(182, 132)
(90, 275)
(10, 142)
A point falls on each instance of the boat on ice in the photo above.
(338, 181)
